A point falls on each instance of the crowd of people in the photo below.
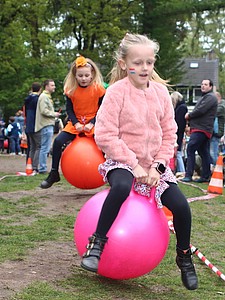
(34, 130)
(139, 126)
(200, 134)
(13, 139)
(30, 132)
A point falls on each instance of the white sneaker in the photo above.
(12, 153)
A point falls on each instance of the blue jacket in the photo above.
(30, 112)
(13, 130)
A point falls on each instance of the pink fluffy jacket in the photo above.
(136, 126)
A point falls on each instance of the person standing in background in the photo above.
(19, 118)
(45, 121)
(33, 138)
(201, 121)
(14, 133)
(180, 109)
(218, 130)
(24, 144)
(58, 127)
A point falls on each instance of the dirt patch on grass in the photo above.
(52, 260)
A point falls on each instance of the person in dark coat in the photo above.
(201, 121)
(180, 109)
(34, 138)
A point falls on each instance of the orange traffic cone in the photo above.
(29, 169)
(216, 182)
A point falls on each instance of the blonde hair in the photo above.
(130, 40)
(70, 82)
(176, 97)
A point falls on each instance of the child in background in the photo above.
(19, 118)
(57, 129)
(23, 143)
(14, 134)
(187, 134)
(84, 93)
(136, 130)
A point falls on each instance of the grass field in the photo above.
(24, 227)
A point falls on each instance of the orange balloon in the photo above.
(80, 161)
(168, 213)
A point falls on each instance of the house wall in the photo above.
(194, 71)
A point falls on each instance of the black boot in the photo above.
(188, 274)
(52, 178)
(94, 250)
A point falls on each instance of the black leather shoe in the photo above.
(202, 180)
(52, 178)
(188, 274)
(91, 258)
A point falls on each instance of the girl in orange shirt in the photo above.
(84, 92)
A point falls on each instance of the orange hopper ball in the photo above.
(80, 161)
(168, 213)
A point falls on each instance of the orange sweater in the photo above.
(85, 106)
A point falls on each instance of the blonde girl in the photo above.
(84, 92)
(136, 130)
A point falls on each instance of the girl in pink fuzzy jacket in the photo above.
(136, 130)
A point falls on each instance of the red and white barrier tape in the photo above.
(207, 262)
(200, 255)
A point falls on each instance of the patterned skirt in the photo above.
(141, 188)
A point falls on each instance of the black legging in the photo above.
(121, 181)
(61, 139)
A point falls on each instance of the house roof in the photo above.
(197, 69)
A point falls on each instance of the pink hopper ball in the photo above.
(80, 161)
(137, 240)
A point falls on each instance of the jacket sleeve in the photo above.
(70, 112)
(107, 130)
(220, 110)
(9, 129)
(46, 107)
(93, 121)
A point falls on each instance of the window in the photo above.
(185, 93)
(197, 93)
(194, 65)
